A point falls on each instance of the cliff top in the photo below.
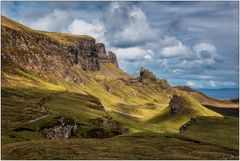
(64, 38)
(7, 22)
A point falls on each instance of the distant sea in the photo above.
(223, 93)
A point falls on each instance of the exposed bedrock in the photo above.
(176, 104)
(60, 128)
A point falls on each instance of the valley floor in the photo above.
(205, 138)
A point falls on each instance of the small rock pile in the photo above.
(61, 128)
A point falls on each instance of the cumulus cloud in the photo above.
(204, 47)
(128, 26)
(191, 84)
(176, 50)
(148, 57)
(95, 29)
(54, 21)
(138, 29)
(133, 53)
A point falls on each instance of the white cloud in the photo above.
(51, 22)
(138, 29)
(201, 47)
(190, 83)
(175, 50)
(210, 83)
(114, 5)
(94, 29)
(133, 53)
(148, 57)
(170, 41)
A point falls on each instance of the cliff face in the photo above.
(83, 53)
(105, 57)
(47, 55)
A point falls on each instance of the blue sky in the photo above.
(187, 43)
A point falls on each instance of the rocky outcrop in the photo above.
(83, 53)
(176, 104)
(47, 56)
(145, 74)
(148, 78)
(101, 52)
(61, 128)
(105, 57)
(112, 58)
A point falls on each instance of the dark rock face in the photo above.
(46, 56)
(176, 104)
(101, 52)
(112, 58)
(147, 77)
(105, 57)
(84, 54)
(61, 128)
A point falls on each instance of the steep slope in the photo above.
(47, 75)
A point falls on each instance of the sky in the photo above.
(187, 43)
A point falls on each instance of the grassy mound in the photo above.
(172, 122)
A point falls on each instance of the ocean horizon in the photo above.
(223, 93)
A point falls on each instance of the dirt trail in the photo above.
(41, 104)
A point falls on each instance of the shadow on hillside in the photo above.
(224, 111)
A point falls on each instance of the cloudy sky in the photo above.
(187, 43)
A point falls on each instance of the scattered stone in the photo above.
(186, 125)
(61, 128)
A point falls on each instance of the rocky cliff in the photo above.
(105, 57)
(52, 54)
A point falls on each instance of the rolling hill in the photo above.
(59, 85)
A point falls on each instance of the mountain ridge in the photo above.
(48, 75)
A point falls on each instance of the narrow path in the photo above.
(38, 118)
(41, 104)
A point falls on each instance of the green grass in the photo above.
(65, 38)
(14, 25)
(213, 130)
(137, 145)
(172, 122)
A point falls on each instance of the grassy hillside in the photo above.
(205, 144)
(31, 101)
(13, 24)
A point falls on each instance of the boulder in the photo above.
(60, 128)
(176, 104)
